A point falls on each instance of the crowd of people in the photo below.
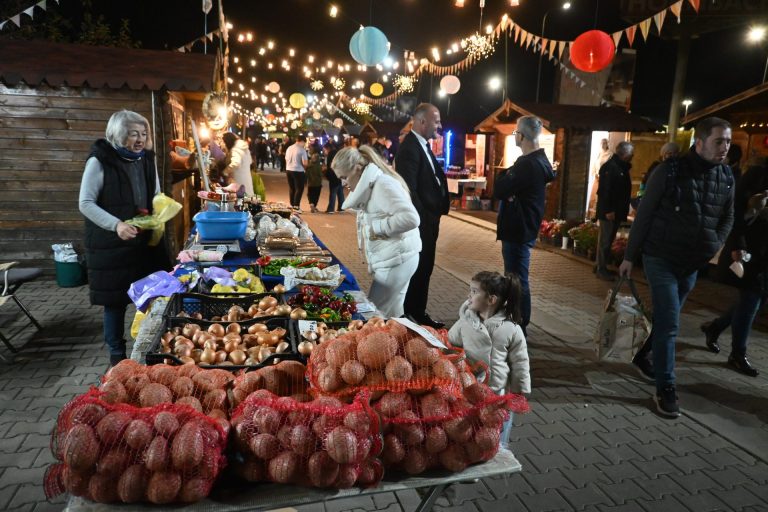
(689, 208)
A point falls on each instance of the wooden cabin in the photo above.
(569, 137)
(55, 101)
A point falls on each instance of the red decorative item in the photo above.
(592, 51)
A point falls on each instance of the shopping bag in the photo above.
(624, 325)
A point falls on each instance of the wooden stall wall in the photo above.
(45, 138)
(574, 173)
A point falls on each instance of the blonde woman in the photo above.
(387, 223)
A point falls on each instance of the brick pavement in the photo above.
(590, 443)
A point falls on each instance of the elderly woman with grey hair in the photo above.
(119, 182)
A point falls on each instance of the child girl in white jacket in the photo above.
(489, 331)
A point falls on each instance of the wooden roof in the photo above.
(611, 119)
(76, 65)
(745, 107)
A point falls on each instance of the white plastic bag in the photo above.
(623, 325)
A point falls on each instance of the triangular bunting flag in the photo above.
(536, 40)
(16, 20)
(676, 8)
(560, 49)
(552, 45)
(658, 18)
(523, 35)
(645, 27)
(695, 4)
(209, 35)
(544, 45)
(630, 31)
(562, 66)
(528, 39)
(29, 10)
(498, 30)
(43, 4)
(517, 32)
(616, 38)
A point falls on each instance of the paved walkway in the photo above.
(590, 443)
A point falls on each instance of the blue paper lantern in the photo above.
(369, 46)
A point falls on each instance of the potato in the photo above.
(324, 424)
(284, 468)
(398, 369)
(444, 369)
(347, 476)
(341, 445)
(459, 430)
(394, 451)
(156, 456)
(191, 402)
(322, 469)
(88, 414)
(138, 434)
(111, 427)
(329, 379)
(392, 403)
(187, 447)
(214, 399)
(163, 487)
(114, 392)
(162, 373)
(166, 423)
(376, 349)
(182, 386)
(487, 438)
(81, 448)
(433, 406)
(265, 446)
(418, 353)
(135, 384)
(474, 453)
(267, 420)
(252, 470)
(416, 461)
(476, 393)
(302, 440)
(411, 433)
(358, 421)
(493, 416)
(75, 482)
(132, 484)
(103, 488)
(353, 372)
(194, 490)
(155, 394)
(123, 370)
(436, 440)
(113, 462)
(453, 458)
(340, 351)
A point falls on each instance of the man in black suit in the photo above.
(426, 180)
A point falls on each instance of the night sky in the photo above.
(722, 63)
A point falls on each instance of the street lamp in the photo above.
(757, 35)
(565, 7)
(687, 103)
(494, 84)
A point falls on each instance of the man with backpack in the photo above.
(683, 220)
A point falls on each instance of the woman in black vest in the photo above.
(119, 182)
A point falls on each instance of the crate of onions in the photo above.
(227, 345)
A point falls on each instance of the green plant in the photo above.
(585, 235)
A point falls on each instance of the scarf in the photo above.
(127, 154)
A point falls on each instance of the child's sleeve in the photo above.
(454, 334)
(519, 367)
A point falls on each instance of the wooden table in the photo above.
(270, 496)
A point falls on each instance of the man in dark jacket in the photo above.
(683, 220)
(426, 180)
(613, 196)
(521, 193)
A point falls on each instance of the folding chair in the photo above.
(11, 280)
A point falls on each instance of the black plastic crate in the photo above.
(211, 305)
(154, 356)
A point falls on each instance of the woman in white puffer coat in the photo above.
(489, 330)
(387, 224)
(239, 161)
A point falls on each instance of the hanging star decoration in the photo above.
(477, 46)
(361, 108)
(403, 83)
(338, 83)
(316, 85)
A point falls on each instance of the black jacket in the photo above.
(429, 190)
(333, 180)
(686, 213)
(113, 263)
(615, 189)
(525, 183)
(748, 235)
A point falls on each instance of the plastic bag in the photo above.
(163, 209)
(64, 253)
(329, 277)
(159, 284)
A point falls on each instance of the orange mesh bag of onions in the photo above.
(129, 382)
(286, 378)
(322, 443)
(440, 430)
(383, 356)
(113, 452)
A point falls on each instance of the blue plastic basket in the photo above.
(221, 225)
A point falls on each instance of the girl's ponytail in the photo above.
(513, 298)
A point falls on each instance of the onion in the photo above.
(231, 346)
(281, 347)
(208, 356)
(279, 288)
(168, 336)
(310, 335)
(253, 310)
(221, 356)
(237, 357)
(279, 331)
(257, 328)
(233, 328)
(210, 344)
(217, 330)
(298, 314)
(306, 347)
(189, 330)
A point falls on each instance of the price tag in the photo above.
(422, 332)
(307, 325)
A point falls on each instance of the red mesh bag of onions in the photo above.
(286, 378)
(322, 443)
(129, 382)
(384, 356)
(439, 430)
(120, 453)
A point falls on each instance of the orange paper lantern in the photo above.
(592, 51)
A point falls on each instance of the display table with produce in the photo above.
(237, 498)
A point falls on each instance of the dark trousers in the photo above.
(114, 330)
(335, 192)
(605, 237)
(416, 298)
(313, 194)
(739, 318)
(296, 181)
(517, 260)
(261, 161)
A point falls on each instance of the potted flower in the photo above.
(584, 238)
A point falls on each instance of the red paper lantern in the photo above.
(592, 51)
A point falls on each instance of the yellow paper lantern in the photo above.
(297, 100)
(377, 89)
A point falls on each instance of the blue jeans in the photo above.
(333, 193)
(740, 317)
(517, 259)
(668, 293)
(506, 429)
(114, 329)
